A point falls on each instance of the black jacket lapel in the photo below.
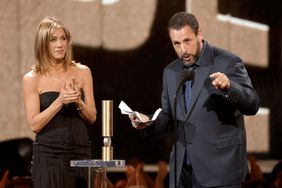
(202, 73)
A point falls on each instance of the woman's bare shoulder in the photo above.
(30, 76)
(81, 68)
(30, 81)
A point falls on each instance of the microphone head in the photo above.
(187, 74)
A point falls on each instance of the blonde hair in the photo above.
(45, 30)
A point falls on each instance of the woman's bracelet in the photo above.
(80, 107)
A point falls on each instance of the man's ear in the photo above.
(200, 35)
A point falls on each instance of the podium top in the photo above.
(97, 163)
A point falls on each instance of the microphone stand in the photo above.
(175, 139)
(187, 74)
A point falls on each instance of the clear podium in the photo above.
(97, 170)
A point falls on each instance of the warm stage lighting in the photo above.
(104, 2)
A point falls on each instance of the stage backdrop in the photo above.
(126, 46)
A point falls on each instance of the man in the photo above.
(211, 138)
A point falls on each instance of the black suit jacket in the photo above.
(212, 131)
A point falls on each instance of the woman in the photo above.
(59, 102)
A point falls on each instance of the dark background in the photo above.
(135, 76)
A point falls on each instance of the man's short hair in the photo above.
(182, 19)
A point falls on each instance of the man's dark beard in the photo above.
(194, 57)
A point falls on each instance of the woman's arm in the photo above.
(87, 108)
(36, 119)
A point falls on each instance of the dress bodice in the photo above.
(66, 129)
(64, 138)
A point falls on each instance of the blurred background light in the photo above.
(104, 2)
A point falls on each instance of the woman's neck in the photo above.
(56, 69)
(56, 65)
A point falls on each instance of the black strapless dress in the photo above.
(63, 139)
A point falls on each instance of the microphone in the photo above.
(188, 73)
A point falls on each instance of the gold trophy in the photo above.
(97, 168)
(107, 129)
